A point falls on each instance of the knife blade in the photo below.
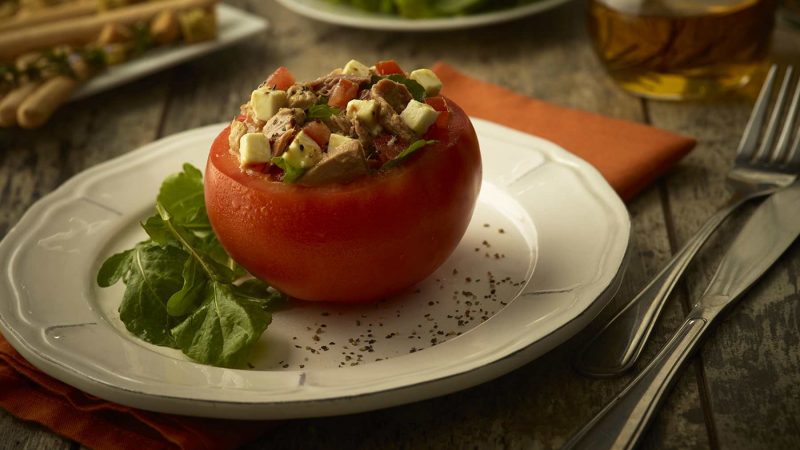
(769, 231)
(767, 234)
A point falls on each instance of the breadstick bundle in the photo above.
(49, 53)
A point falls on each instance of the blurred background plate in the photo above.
(353, 17)
(234, 26)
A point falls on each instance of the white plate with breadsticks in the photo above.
(29, 103)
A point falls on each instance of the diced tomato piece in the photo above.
(388, 147)
(281, 79)
(344, 91)
(440, 104)
(241, 118)
(257, 167)
(390, 67)
(319, 132)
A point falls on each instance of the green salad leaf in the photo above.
(224, 327)
(322, 112)
(423, 9)
(290, 173)
(406, 153)
(182, 289)
(151, 274)
(416, 89)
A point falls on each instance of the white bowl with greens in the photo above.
(417, 15)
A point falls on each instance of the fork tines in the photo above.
(786, 152)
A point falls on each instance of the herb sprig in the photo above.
(181, 289)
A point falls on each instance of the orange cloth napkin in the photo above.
(629, 155)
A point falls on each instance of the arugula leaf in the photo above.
(181, 195)
(188, 242)
(406, 153)
(194, 284)
(257, 289)
(151, 274)
(224, 328)
(114, 268)
(322, 112)
(179, 285)
(416, 89)
(290, 173)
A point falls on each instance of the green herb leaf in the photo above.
(151, 273)
(179, 284)
(258, 290)
(322, 112)
(416, 89)
(406, 153)
(290, 173)
(114, 268)
(224, 328)
(189, 243)
(194, 284)
(181, 195)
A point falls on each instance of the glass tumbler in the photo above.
(681, 49)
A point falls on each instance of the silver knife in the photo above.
(767, 234)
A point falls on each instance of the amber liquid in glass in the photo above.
(681, 49)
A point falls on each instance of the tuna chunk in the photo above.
(340, 124)
(282, 128)
(324, 86)
(301, 97)
(238, 129)
(392, 122)
(342, 165)
(395, 94)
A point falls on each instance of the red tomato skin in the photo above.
(390, 67)
(319, 132)
(344, 91)
(356, 242)
(281, 79)
(440, 104)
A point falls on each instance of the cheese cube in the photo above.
(303, 152)
(427, 79)
(356, 68)
(365, 111)
(266, 102)
(336, 141)
(254, 148)
(419, 116)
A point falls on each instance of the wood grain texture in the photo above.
(749, 366)
(752, 360)
(18, 435)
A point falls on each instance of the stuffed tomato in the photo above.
(348, 188)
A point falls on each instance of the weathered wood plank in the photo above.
(19, 435)
(34, 163)
(752, 361)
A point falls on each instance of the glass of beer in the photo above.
(682, 49)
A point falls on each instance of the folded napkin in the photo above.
(629, 155)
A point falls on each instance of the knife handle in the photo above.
(617, 346)
(622, 422)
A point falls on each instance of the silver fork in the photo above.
(758, 170)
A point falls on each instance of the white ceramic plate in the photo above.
(233, 24)
(542, 256)
(353, 17)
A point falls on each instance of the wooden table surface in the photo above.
(742, 391)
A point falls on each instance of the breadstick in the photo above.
(85, 29)
(11, 102)
(39, 106)
(165, 28)
(51, 14)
